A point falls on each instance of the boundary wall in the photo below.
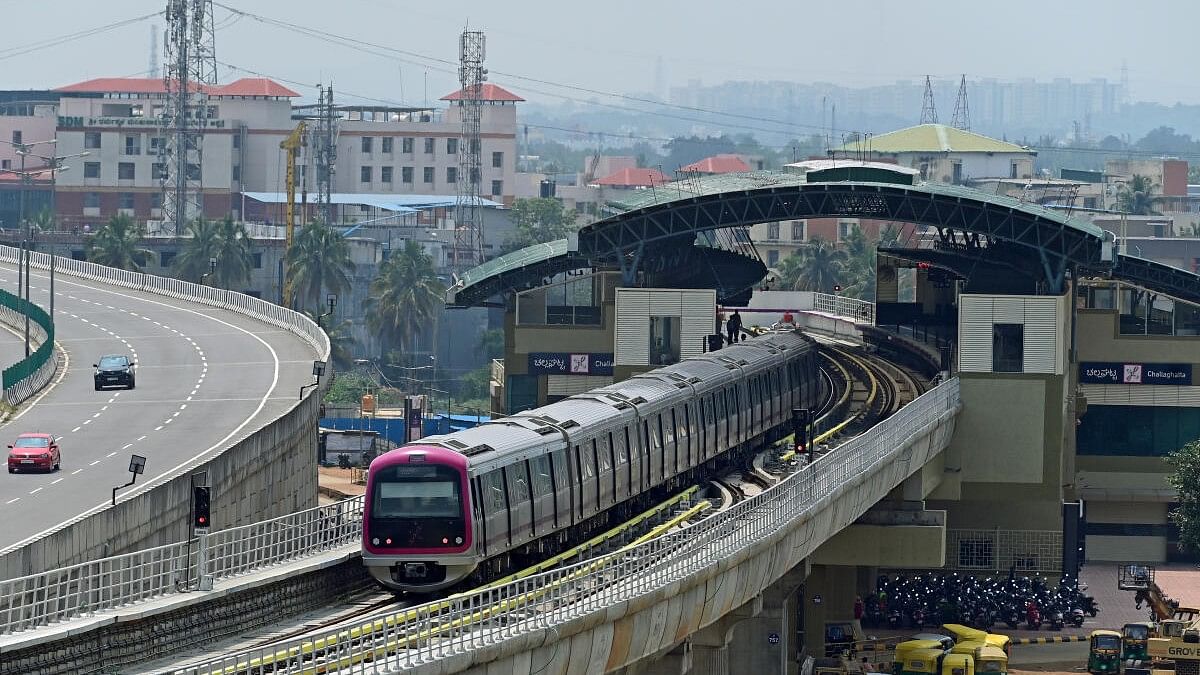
(269, 472)
(26, 377)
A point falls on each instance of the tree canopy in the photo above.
(405, 297)
(118, 244)
(318, 262)
(1185, 478)
(539, 221)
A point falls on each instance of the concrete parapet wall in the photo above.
(271, 472)
(617, 637)
(133, 639)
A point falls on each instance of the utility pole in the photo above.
(468, 220)
(191, 65)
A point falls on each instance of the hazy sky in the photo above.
(614, 45)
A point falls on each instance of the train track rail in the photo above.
(862, 391)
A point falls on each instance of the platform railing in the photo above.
(860, 311)
(485, 618)
(83, 590)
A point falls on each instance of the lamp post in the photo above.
(212, 269)
(332, 299)
(137, 466)
(317, 371)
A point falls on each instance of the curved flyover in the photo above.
(207, 377)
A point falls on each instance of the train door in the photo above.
(520, 506)
(621, 489)
(480, 535)
(563, 489)
(722, 421)
(666, 425)
(604, 470)
(591, 491)
(687, 435)
(495, 511)
(636, 475)
(544, 507)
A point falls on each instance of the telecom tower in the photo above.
(153, 70)
(928, 111)
(468, 221)
(962, 114)
(191, 64)
(325, 144)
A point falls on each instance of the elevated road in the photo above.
(205, 378)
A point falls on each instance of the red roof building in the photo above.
(718, 164)
(633, 178)
(247, 86)
(493, 93)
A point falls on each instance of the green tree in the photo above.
(491, 344)
(117, 244)
(200, 246)
(539, 221)
(404, 298)
(816, 267)
(341, 342)
(1185, 478)
(42, 221)
(318, 262)
(1137, 196)
(234, 259)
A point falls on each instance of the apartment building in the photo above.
(380, 150)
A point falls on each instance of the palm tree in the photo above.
(233, 254)
(1137, 197)
(200, 247)
(115, 244)
(817, 267)
(318, 261)
(405, 297)
(341, 342)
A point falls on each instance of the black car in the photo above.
(114, 370)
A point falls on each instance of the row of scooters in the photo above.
(980, 602)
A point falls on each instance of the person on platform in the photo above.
(733, 326)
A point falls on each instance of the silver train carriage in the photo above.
(472, 503)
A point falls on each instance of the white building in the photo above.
(379, 149)
(944, 154)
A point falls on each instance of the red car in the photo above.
(34, 451)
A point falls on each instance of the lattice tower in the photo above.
(191, 64)
(962, 113)
(325, 145)
(468, 217)
(928, 110)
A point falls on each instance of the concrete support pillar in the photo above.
(834, 586)
(710, 660)
(766, 642)
(678, 661)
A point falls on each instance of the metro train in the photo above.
(466, 506)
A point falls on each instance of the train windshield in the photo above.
(417, 491)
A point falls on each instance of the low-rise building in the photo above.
(944, 154)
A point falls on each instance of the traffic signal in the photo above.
(923, 265)
(200, 506)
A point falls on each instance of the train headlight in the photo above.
(375, 541)
(388, 541)
(445, 540)
(458, 540)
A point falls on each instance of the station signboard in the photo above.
(563, 363)
(1103, 372)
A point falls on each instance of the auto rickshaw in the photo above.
(1104, 652)
(905, 649)
(945, 640)
(924, 661)
(1135, 640)
(991, 660)
(957, 664)
(962, 633)
(1003, 642)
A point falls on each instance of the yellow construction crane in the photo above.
(292, 144)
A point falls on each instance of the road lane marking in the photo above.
(94, 463)
(158, 428)
(126, 446)
(35, 491)
(56, 481)
(76, 471)
(76, 429)
(17, 499)
(113, 453)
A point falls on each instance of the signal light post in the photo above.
(201, 522)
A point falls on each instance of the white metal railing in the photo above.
(81, 589)
(861, 311)
(88, 588)
(476, 620)
(241, 303)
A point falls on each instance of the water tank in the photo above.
(368, 403)
(547, 189)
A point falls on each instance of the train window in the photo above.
(656, 435)
(542, 485)
(603, 454)
(520, 486)
(587, 461)
(559, 464)
(619, 451)
(495, 488)
(668, 427)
